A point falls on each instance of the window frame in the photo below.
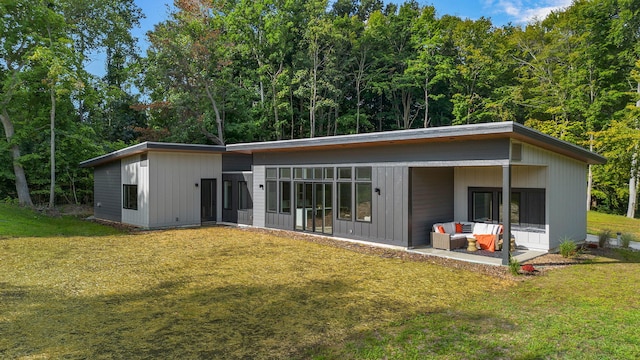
(271, 185)
(127, 202)
(531, 217)
(227, 190)
(243, 195)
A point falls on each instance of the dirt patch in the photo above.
(542, 263)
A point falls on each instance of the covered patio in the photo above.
(521, 255)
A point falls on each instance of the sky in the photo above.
(501, 12)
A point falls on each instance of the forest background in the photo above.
(219, 72)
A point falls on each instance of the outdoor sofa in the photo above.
(453, 235)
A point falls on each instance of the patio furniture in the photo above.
(472, 244)
(453, 235)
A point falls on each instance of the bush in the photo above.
(625, 239)
(603, 238)
(514, 266)
(568, 248)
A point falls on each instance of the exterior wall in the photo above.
(431, 201)
(175, 199)
(236, 162)
(107, 192)
(389, 210)
(438, 154)
(521, 177)
(136, 172)
(259, 203)
(233, 215)
(566, 194)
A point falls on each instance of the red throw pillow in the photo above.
(458, 228)
(441, 229)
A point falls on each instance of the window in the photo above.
(328, 173)
(130, 197)
(272, 196)
(226, 195)
(285, 173)
(363, 173)
(363, 202)
(344, 173)
(272, 173)
(527, 208)
(344, 201)
(285, 197)
(243, 195)
(363, 193)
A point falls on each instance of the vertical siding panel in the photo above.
(259, 209)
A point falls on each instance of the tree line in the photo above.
(253, 70)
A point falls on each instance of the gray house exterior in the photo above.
(387, 188)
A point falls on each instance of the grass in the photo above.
(19, 222)
(598, 222)
(230, 293)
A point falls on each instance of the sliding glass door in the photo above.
(314, 207)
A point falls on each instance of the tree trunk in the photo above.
(52, 139)
(590, 177)
(426, 102)
(22, 187)
(633, 179)
(633, 185)
(220, 136)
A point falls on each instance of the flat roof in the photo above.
(493, 130)
(150, 145)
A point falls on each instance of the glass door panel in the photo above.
(328, 209)
(308, 206)
(318, 194)
(300, 206)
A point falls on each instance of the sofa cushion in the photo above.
(480, 228)
(449, 227)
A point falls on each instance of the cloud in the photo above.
(523, 11)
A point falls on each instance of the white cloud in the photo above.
(523, 11)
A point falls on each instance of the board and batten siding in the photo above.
(175, 199)
(566, 194)
(389, 210)
(136, 172)
(259, 206)
(107, 192)
(431, 201)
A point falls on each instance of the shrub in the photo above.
(625, 239)
(568, 248)
(603, 238)
(514, 266)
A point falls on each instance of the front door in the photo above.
(314, 210)
(208, 200)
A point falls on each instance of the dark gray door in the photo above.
(208, 200)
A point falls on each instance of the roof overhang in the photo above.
(151, 146)
(497, 130)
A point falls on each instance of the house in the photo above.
(387, 187)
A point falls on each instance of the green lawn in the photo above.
(18, 222)
(597, 222)
(241, 294)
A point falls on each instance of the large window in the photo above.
(130, 197)
(272, 196)
(363, 194)
(243, 195)
(285, 190)
(527, 208)
(226, 195)
(344, 200)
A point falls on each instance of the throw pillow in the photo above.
(441, 229)
(458, 228)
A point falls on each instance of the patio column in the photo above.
(506, 213)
